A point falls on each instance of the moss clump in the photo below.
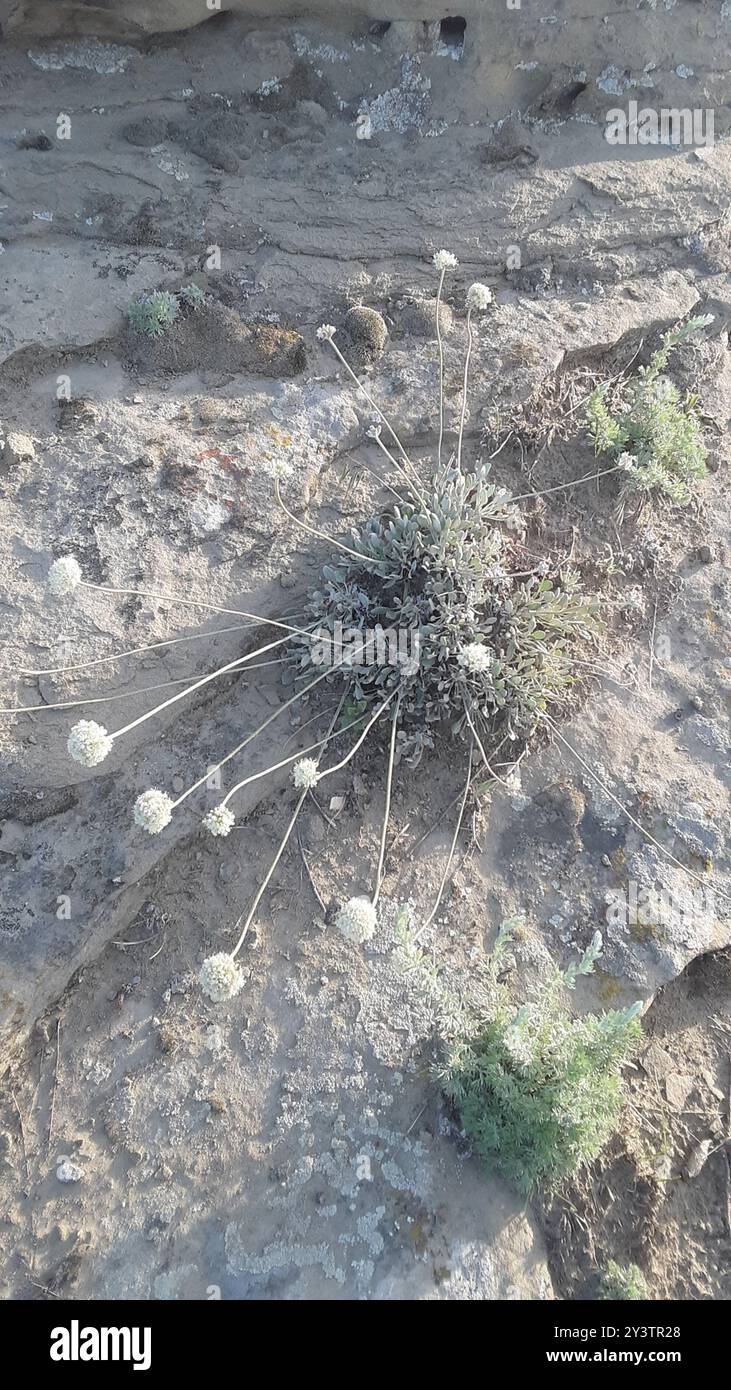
(419, 319)
(210, 336)
(367, 334)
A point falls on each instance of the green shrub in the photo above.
(539, 1091)
(656, 437)
(192, 296)
(493, 651)
(153, 314)
(623, 1282)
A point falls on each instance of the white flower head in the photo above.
(627, 462)
(325, 332)
(357, 920)
(445, 260)
(478, 296)
(89, 743)
(374, 430)
(282, 469)
(64, 575)
(219, 820)
(304, 773)
(475, 657)
(153, 810)
(220, 977)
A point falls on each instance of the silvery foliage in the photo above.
(440, 570)
(152, 314)
(656, 437)
(538, 1090)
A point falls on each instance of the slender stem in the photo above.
(204, 680)
(123, 695)
(250, 738)
(463, 416)
(411, 482)
(280, 851)
(338, 766)
(133, 651)
(399, 496)
(96, 699)
(254, 776)
(370, 401)
(587, 768)
(501, 446)
(483, 754)
(587, 478)
(447, 866)
(652, 643)
(389, 780)
(197, 603)
(322, 535)
(441, 373)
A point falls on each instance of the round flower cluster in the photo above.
(153, 810)
(478, 296)
(357, 920)
(220, 977)
(220, 821)
(627, 462)
(475, 658)
(326, 331)
(89, 743)
(64, 575)
(445, 260)
(304, 773)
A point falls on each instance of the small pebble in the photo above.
(68, 1171)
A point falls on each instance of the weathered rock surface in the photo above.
(163, 481)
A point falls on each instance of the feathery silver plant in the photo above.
(656, 438)
(538, 1090)
(494, 644)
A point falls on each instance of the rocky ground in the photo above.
(291, 1144)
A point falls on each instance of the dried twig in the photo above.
(54, 1088)
(308, 871)
(22, 1135)
(652, 643)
